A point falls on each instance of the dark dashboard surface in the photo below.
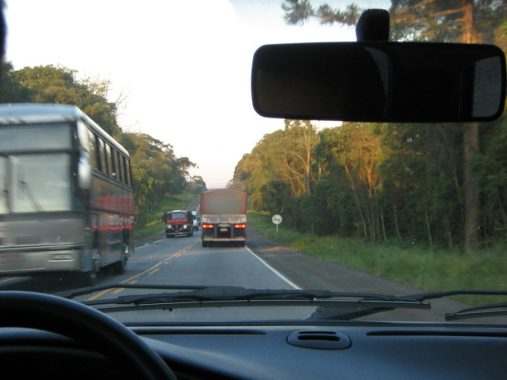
(280, 352)
(372, 352)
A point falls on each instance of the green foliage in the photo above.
(11, 90)
(298, 11)
(424, 20)
(467, 21)
(156, 171)
(384, 183)
(279, 167)
(490, 168)
(406, 182)
(50, 84)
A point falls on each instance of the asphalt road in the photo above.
(182, 261)
(179, 261)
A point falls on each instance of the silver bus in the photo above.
(66, 201)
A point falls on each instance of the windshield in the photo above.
(165, 122)
(34, 176)
(177, 215)
(40, 182)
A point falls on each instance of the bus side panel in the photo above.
(111, 204)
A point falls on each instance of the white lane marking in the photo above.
(274, 270)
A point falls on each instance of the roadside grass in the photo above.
(416, 266)
(149, 222)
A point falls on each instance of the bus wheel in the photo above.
(204, 244)
(84, 279)
(91, 278)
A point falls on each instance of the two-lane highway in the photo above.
(182, 261)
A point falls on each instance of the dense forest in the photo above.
(441, 185)
(156, 170)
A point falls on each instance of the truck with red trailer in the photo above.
(223, 217)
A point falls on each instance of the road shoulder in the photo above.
(308, 272)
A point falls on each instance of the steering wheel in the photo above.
(84, 324)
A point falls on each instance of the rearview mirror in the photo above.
(379, 81)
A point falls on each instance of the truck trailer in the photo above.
(223, 217)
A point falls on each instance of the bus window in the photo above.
(101, 154)
(124, 168)
(32, 137)
(114, 166)
(82, 134)
(121, 170)
(107, 153)
(3, 185)
(93, 149)
(128, 173)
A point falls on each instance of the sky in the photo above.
(181, 68)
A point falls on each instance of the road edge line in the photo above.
(273, 269)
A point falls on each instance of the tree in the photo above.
(298, 11)
(465, 21)
(283, 161)
(50, 84)
(197, 184)
(353, 150)
(11, 90)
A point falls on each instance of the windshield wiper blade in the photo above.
(28, 190)
(83, 291)
(447, 293)
(231, 294)
(488, 310)
(357, 311)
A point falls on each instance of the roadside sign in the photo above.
(276, 219)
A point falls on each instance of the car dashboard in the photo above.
(327, 351)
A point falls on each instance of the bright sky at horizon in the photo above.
(183, 67)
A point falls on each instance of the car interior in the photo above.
(55, 336)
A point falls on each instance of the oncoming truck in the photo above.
(223, 217)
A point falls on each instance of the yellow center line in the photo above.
(154, 268)
(153, 271)
(119, 290)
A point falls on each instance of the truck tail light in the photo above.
(207, 226)
(240, 226)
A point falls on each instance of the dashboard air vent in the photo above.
(319, 340)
